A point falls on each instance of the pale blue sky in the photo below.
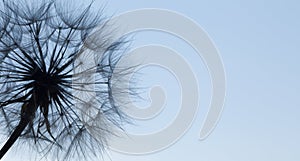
(259, 43)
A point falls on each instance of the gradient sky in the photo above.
(258, 41)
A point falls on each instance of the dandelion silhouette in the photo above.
(51, 93)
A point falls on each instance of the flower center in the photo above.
(45, 86)
(43, 79)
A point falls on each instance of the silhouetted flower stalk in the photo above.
(55, 83)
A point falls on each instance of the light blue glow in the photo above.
(259, 44)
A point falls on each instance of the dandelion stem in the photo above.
(14, 136)
(28, 110)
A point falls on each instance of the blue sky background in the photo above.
(259, 44)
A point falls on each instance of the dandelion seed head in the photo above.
(52, 67)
